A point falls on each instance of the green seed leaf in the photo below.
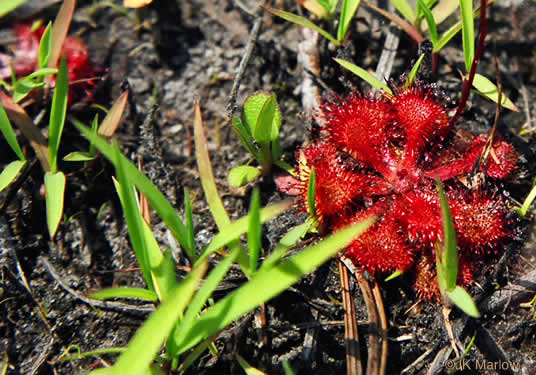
(488, 89)
(10, 172)
(55, 191)
(242, 175)
(245, 137)
(463, 301)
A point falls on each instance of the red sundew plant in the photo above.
(25, 60)
(381, 156)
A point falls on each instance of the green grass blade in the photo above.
(404, 9)
(148, 341)
(244, 174)
(125, 292)
(348, 11)
(301, 21)
(432, 27)
(55, 192)
(413, 72)
(528, 201)
(7, 6)
(290, 239)
(57, 113)
(448, 255)
(268, 283)
(286, 367)
(468, 32)
(157, 200)
(248, 369)
(9, 133)
(45, 47)
(10, 172)
(311, 195)
(463, 300)
(79, 156)
(487, 89)
(240, 226)
(190, 248)
(254, 231)
(244, 136)
(364, 75)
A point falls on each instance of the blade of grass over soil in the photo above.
(57, 113)
(54, 193)
(267, 283)
(60, 28)
(125, 292)
(468, 33)
(254, 230)
(364, 75)
(9, 133)
(9, 172)
(348, 11)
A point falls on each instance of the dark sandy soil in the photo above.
(189, 50)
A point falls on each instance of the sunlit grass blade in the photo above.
(125, 292)
(113, 118)
(364, 75)
(241, 175)
(468, 32)
(311, 195)
(432, 27)
(10, 172)
(7, 6)
(190, 248)
(60, 28)
(148, 341)
(404, 9)
(301, 21)
(286, 367)
(268, 283)
(57, 113)
(248, 369)
(524, 209)
(9, 133)
(20, 118)
(447, 252)
(24, 86)
(348, 11)
(79, 156)
(54, 194)
(200, 299)
(463, 301)
(290, 239)
(240, 226)
(45, 47)
(254, 231)
(413, 72)
(157, 200)
(487, 89)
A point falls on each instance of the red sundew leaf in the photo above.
(502, 160)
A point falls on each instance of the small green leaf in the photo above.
(447, 254)
(311, 194)
(432, 27)
(261, 115)
(45, 46)
(348, 11)
(242, 175)
(254, 231)
(405, 9)
(9, 133)
(364, 75)
(290, 239)
(488, 89)
(463, 301)
(190, 248)
(468, 32)
(286, 367)
(528, 201)
(394, 275)
(250, 370)
(245, 136)
(7, 6)
(79, 156)
(301, 21)
(58, 112)
(55, 191)
(10, 172)
(23, 87)
(414, 70)
(125, 292)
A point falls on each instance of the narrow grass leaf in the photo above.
(240, 226)
(9, 133)
(45, 47)
(286, 367)
(163, 273)
(320, 8)
(249, 370)
(301, 21)
(7, 6)
(60, 28)
(190, 248)
(487, 89)
(404, 9)
(244, 174)
(348, 11)
(200, 299)
(112, 120)
(394, 275)
(448, 255)
(289, 240)
(311, 195)
(125, 292)
(23, 87)
(524, 209)
(148, 341)
(254, 230)
(157, 200)
(58, 112)
(244, 136)
(55, 193)
(468, 32)
(432, 27)
(268, 283)
(133, 218)
(79, 156)
(364, 75)
(463, 301)
(413, 72)
(10, 172)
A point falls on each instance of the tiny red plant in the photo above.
(381, 156)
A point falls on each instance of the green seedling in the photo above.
(11, 171)
(447, 262)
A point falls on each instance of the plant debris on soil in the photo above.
(172, 53)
